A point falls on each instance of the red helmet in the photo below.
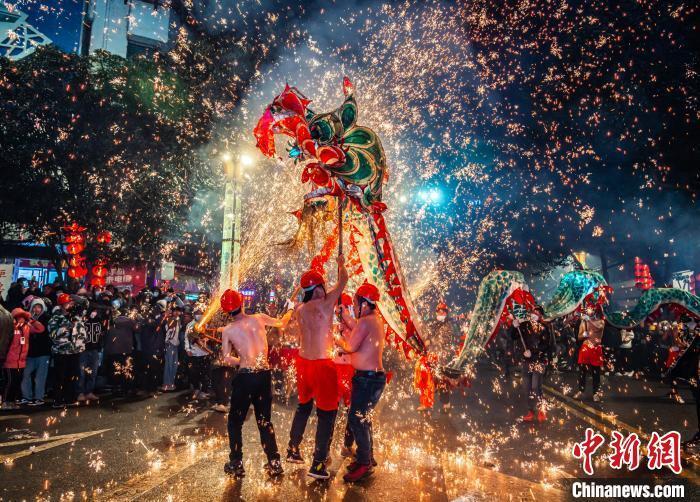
(231, 300)
(311, 279)
(346, 299)
(369, 292)
(64, 298)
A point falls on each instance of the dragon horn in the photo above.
(348, 88)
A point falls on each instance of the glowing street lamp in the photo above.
(430, 196)
(231, 238)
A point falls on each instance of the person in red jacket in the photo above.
(16, 359)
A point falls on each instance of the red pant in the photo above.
(318, 379)
(590, 354)
(345, 374)
(287, 357)
(673, 354)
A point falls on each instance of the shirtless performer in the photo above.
(365, 346)
(317, 378)
(252, 384)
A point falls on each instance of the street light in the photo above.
(231, 238)
(430, 196)
(246, 160)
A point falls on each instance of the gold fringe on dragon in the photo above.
(344, 163)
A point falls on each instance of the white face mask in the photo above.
(441, 318)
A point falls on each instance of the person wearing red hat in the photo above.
(68, 335)
(317, 377)
(590, 355)
(16, 359)
(365, 346)
(443, 338)
(246, 335)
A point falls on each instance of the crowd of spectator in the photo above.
(66, 345)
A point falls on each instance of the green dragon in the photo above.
(504, 293)
(345, 161)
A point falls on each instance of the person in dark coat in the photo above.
(152, 349)
(15, 294)
(533, 334)
(118, 349)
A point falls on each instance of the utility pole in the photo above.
(236, 255)
(231, 238)
(227, 239)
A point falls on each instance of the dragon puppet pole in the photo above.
(340, 226)
(522, 340)
(340, 235)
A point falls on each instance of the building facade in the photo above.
(127, 28)
(18, 38)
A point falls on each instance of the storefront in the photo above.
(36, 269)
(131, 277)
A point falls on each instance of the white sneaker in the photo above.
(81, 397)
(221, 408)
(597, 397)
(203, 395)
(92, 397)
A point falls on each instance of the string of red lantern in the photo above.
(98, 276)
(642, 275)
(75, 245)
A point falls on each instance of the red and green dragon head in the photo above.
(340, 158)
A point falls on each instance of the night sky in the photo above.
(58, 19)
(516, 132)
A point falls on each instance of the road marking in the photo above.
(470, 478)
(614, 422)
(603, 416)
(49, 442)
(12, 417)
(139, 486)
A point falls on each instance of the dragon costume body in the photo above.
(503, 295)
(344, 163)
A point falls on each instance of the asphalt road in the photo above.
(167, 448)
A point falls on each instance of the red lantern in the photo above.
(73, 228)
(75, 248)
(75, 239)
(98, 281)
(104, 237)
(76, 261)
(99, 271)
(77, 272)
